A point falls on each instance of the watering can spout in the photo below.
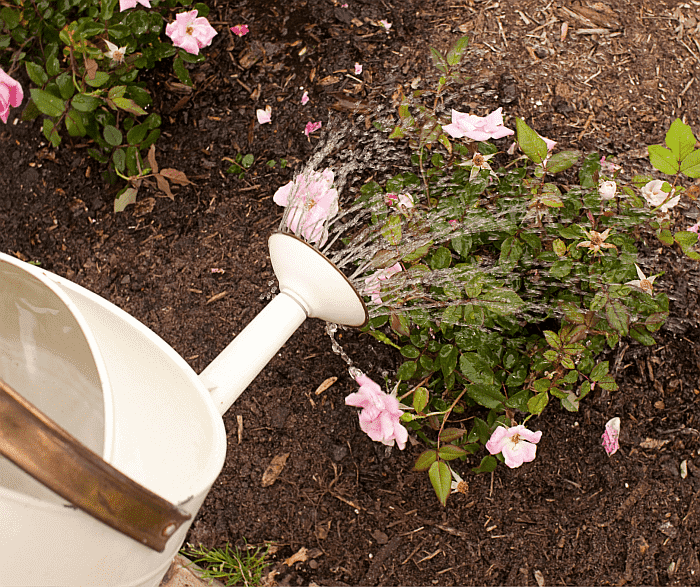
(310, 286)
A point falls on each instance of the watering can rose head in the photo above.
(380, 414)
(311, 200)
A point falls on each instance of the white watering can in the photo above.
(99, 408)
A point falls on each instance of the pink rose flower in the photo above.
(607, 190)
(402, 202)
(611, 435)
(656, 197)
(373, 283)
(477, 128)
(126, 4)
(517, 444)
(311, 127)
(240, 29)
(190, 32)
(380, 414)
(312, 201)
(11, 94)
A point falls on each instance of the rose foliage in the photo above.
(505, 280)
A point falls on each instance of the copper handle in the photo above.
(44, 450)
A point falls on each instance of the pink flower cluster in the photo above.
(380, 414)
(11, 94)
(311, 200)
(190, 32)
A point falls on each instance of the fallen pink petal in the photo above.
(517, 444)
(380, 414)
(240, 29)
(386, 24)
(304, 98)
(264, 116)
(311, 127)
(611, 436)
(358, 69)
(695, 228)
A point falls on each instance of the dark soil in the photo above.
(624, 71)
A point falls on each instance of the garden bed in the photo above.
(623, 72)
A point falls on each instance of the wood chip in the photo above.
(325, 385)
(329, 80)
(274, 469)
(653, 443)
(216, 297)
(298, 557)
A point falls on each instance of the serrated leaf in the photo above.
(85, 103)
(538, 403)
(448, 358)
(486, 395)
(456, 52)
(663, 159)
(511, 251)
(112, 135)
(475, 368)
(680, 139)
(617, 316)
(600, 370)
(501, 301)
(562, 161)
(519, 400)
(441, 479)
(397, 133)
(530, 142)
(541, 385)
(36, 73)
(391, 230)
(553, 339)
(99, 80)
(406, 370)
(690, 166)
(438, 60)
(425, 460)
(450, 452)
(128, 105)
(126, 196)
(452, 434)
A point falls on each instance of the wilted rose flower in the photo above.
(380, 414)
(11, 94)
(190, 32)
(517, 444)
(126, 4)
(611, 435)
(312, 200)
(116, 54)
(477, 128)
(656, 197)
(646, 284)
(373, 284)
(607, 190)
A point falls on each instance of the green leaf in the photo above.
(553, 339)
(85, 103)
(665, 236)
(488, 464)
(680, 139)
(600, 370)
(36, 73)
(438, 60)
(65, 85)
(559, 247)
(451, 434)
(126, 196)
(448, 358)
(406, 370)
(75, 123)
(519, 400)
(537, 403)
(181, 71)
(511, 251)
(420, 399)
(136, 134)
(690, 166)
(481, 431)
(441, 258)
(50, 132)
(100, 79)
(617, 316)
(450, 452)
(441, 478)
(47, 103)
(11, 17)
(562, 161)
(410, 352)
(119, 160)
(486, 395)
(530, 142)
(456, 52)
(475, 368)
(541, 385)
(112, 135)
(129, 106)
(425, 460)
(663, 160)
(501, 301)
(391, 230)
